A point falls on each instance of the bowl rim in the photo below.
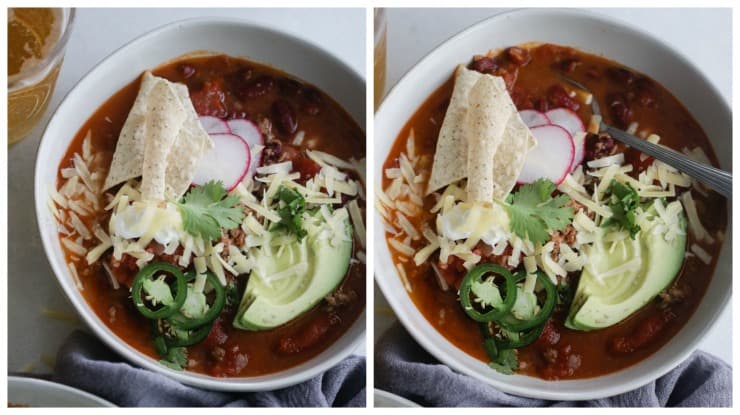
(22, 382)
(428, 341)
(309, 368)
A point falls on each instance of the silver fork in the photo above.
(717, 179)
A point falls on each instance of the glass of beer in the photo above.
(381, 38)
(37, 38)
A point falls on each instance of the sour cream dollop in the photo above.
(490, 223)
(163, 224)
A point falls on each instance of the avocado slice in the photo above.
(318, 263)
(656, 262)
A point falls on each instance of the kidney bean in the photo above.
(312, 101)
(209, 100)
(284, 116)
(646, 99)
(217, 336)
(643, 335)
(645, 84)
(518, 55)
(569, 65)
(259, 87)
(645, 92)
(244, 74)
(620, 110)
(621, 75)
(483, 64)
(558, 97)
(593, 73)
(290, 86)
(186, 70)
(308, 336)
(550, 335)
(306, 167)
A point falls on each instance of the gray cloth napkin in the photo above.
(85, 363)
(404, 368)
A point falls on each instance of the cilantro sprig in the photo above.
(207, 210)
(534, 212)
(176, 358)
(291, 206)
(623, 202)
(506, 362)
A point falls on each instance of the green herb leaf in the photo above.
(290, 209)
(533, 211)
(624, 201)
(176, 358)
(565, 293)
(208, 210)
(506, 362)
(232, 294)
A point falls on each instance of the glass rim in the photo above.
(17, 81)
(379, 23)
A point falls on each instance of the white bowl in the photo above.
(595, 34)
(42, 393)
(229, 36)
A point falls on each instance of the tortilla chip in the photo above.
(451, 157)
(128, 158)
(163, 122)
(451, 154)
(485, 123)
(171, 166)
(511, 153)
(192, 142)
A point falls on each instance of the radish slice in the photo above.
(579, 141)
(228, 161)
(566, 119)
(246, 130)
(251, 135)
(534, 118)
(214, 125)
(552, 157)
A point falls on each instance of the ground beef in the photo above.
(550, 355)
(271, 152)
(567, 236)
(234, 237)
(218, 354)
(265, 126)
(157, 250)
(127, 263)
(341, 297)
(599, 146)
(673, 295)
(484, 251)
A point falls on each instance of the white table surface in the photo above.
(98, 32)
(412, 33)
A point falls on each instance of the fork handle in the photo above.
(719, 180)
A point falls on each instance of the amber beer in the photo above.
(36, 41)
